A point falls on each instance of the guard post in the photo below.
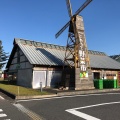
(40, 86)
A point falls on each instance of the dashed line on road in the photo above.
(86, 116)
(3, 115)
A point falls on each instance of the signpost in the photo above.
(40, 86)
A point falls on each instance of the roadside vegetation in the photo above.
(3, 56)
(11, 87)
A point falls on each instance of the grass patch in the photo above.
(11, 87)
(1, 78)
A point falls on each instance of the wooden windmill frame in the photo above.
(76, 54)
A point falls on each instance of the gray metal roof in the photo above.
(97, 61)
(49, 54)
(116, 57)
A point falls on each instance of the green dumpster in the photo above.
(114, 83)
(100, 84)
(109, 83)
(104, 83)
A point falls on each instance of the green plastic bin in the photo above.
(109, 83)
(100, 84)
(114, 83)
(104, 83)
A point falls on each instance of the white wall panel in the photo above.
(39, 76)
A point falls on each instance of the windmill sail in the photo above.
(69, 8)
(82, 7)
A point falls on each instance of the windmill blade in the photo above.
(69, 8)
(82, 7)
(62, 29)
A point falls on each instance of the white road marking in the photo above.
(86, 116)
(58, 97)
(1, 110)
(82, 115)
(3, 115)
(1, 97)
(96, 105)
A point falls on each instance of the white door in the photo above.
(54, 78)
(39, 76)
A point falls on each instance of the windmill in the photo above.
(76, 54)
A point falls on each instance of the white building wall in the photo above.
(39, 77)
(48, 78)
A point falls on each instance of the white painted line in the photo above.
(82, 115)
(49, 98)
(1, 97)
(1, 110)
(114, 93)
(96, 105)
(3, 115)
(86, 116)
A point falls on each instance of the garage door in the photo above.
(54, 78)
(39, 76)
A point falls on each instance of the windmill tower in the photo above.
(76, 55)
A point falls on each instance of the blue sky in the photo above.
(40, 20)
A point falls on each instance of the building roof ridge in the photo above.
(49, 45)
(38, 43)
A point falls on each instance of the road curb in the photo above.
(34, 97)
(59, 93)
(8, 93)
(67, 93)
(87, 92)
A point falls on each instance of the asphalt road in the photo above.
(102, 106)
(9, 112)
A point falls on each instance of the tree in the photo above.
(3, 56)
